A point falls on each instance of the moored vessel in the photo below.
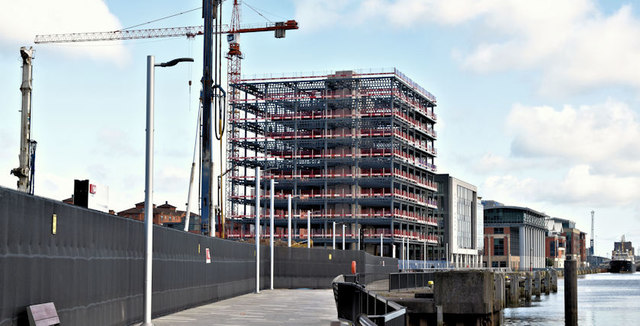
(622, 258)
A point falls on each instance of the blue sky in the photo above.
(537, 100)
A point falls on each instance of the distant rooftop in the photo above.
(517, 208)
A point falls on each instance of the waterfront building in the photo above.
(353, 147)
(514, 237)
(576, 243)
(555, 244)
(480, 228)
(458, 214)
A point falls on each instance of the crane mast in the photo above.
(25, 171)
(209, 11)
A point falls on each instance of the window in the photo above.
(498, 230)
(498, 247)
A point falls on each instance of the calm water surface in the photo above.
(603, 299)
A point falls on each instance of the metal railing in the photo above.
(399, 281)
(362, 307)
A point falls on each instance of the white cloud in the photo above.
(578, 186)
(605, 136)
(573, 43)
(20, 21)
(588, 156)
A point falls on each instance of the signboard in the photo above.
(98, 197)
(91, 195)
(208, 255)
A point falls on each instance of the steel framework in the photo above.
(351, 148)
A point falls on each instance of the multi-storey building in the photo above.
(575, 239)
(515, 237)
(555, 244)
(354, 148)
(458, 216)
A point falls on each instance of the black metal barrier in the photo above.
(399, 281)
(91, 264)
(361, 307)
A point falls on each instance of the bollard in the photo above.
(547, 282)
(527, 287)
(571, 291)
(353, 267)
(554, 281)
(514, 290)
(537, 284)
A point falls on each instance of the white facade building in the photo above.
(458, 207)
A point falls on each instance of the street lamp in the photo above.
(148, 197)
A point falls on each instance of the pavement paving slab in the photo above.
(269, 307)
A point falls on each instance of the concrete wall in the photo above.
(92, 268)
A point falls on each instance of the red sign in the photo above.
(208, 256)
(92, 189)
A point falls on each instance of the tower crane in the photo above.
(211, 11)
(137, 34)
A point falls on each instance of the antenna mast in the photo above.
(593, 235)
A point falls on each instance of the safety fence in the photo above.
(399, 281)
(91, 264)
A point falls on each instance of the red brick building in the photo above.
(575, 240)
(497, 247)
(164, 214)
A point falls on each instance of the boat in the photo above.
(622, 258)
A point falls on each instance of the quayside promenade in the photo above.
(269, 307)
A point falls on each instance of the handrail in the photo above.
(359, 306)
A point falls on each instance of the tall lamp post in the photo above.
(148, 197)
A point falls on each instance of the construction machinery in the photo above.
(25, 172)
(212, 93)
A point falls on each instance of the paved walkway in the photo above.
(269, 307)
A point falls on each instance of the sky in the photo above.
(537, 100)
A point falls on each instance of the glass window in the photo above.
(498, 247)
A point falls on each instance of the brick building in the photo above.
(165, 214)
(576, 244)
(515, 237)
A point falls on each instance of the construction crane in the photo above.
(25, 171)
(211, 12)
(137, 34)
(234, 72)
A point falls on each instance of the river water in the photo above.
(603, 299)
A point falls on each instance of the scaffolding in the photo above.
(355, 148)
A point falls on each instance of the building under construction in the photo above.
(354, 148)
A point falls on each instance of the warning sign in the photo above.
(208, 256)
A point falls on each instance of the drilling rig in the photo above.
(25, 172)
